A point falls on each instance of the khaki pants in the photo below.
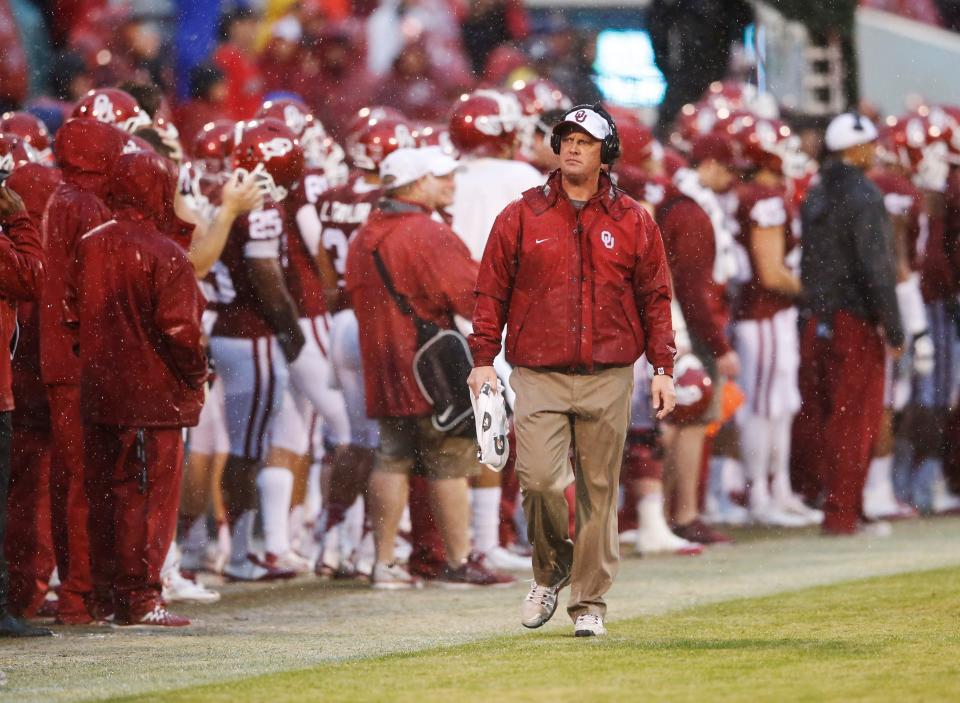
(589, 412)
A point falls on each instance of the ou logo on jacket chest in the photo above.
(607, 239)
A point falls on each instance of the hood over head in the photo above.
(142, 186)
(87, 151)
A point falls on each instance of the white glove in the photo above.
(490, 413)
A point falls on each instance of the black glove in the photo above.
(291, 342)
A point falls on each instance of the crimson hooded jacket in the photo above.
(134, 305)
(21, 275)
(576, 290)
(87, 150)
(432, 268)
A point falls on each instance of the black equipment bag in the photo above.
(441, 365)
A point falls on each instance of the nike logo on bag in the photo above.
(541, 241)
(445, 415)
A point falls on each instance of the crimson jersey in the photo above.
(760, 207)
(300, 269)
(337, 216)
(904, 200)
(260, 234)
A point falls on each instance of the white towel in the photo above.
(490, 413)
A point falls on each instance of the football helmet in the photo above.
(31, 129)
(112, 106)
(485, 122)
(319, 148)
(376, 139)
(213, 145)
(16, 151)
(693, 387)
(268, 151)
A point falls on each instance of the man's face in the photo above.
(579, 155)
(715, 176)
(441, 189)
(862, 156)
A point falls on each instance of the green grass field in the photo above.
(882, 639)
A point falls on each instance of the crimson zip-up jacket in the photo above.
(21, 274)
(577, 291)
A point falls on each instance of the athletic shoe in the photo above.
(589, 625)
(253, 569)
(521, 550)
(943, 502)
(877, 506)
(392, 577)
(540, 604)
(176, 587)
(499, 559)
(158, 617)
(794, 505)
(12, 626)
(48, 609)
(700, 533)
(628, 537)
(472, 573)
(727, 513)
(771, 515)
(290, 561)
(650, 542)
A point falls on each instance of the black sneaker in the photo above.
(470, 574)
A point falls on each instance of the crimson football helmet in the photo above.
(16, 151)
(319, 148)
(213, 145)
(112, 106)
(765, 144)
(693, 387)
(373, 112)
(485, 122)
(540, 95)
(435, 134)
(920, 145)
(268, 151)
(31, 129)
(637, 143)
(376, 139)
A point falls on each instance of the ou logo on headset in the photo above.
(607, 239)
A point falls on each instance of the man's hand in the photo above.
(292, 344)
(729, 364)
(240, 196)
(663, 396)
(479, 376)
(10, 202)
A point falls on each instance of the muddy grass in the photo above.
(257, 629)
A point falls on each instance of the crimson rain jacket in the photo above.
(87, 150)
(432, 268)
(21, 274)
(576, 290)
(136, 305)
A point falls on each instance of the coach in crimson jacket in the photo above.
(21, 273)
(136, 306)
(576, 271)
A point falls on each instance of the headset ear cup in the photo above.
(555, 143)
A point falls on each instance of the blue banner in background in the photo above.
(195, 36)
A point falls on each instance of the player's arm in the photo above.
(311, 230)
(210, 236)
(768, 248)
(276, 304)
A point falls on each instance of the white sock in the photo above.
(241, 537)
(485, 518)
(195, 541)
(314, 500)
(352, 527)
(276, 489)
(880, 475)
(650, 512)
(172, 560)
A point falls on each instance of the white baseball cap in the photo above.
(439, 162)
(587, 120)
(404, 166)
(849, 130)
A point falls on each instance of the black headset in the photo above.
(609, 148)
